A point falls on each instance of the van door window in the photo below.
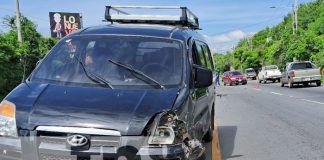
(210, 64)
(195, 58)
(200, 54)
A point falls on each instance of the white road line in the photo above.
(313, 101)
(276, 93)
(279, 94)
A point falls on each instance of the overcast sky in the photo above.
(224, 22)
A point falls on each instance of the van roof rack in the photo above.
(186, 19)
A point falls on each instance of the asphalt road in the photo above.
(268, 122)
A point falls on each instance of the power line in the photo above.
(271, 19)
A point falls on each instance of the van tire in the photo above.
(203, 157)
(318, 83)
(210, 133)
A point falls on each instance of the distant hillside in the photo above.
(307, 44)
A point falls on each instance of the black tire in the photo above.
(305, 84)
(282, 84)
(290, 83)
(264, 81)
(273, 81)
(319, 83)
(210, 133)
(128, 152)
(260, 81)
(203, 157)
(279, 80)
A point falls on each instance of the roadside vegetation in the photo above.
(14, 55)
(277, 45)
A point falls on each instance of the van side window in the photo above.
(195, 57)
(209, 58)
(200, 54)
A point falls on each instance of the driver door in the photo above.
(202, 95)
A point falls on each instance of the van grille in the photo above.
(45, 156)
(49, 142)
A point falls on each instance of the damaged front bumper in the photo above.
(31, 148)
(10, 149)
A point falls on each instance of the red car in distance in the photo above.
(234, 77)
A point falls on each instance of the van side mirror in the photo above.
(204, 77)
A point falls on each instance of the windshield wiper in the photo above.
(92, 76)
(133, 70)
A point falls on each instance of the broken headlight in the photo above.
(8, 119)
(162, 135)
(166, 129)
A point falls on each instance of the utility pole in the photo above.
(233, 51)
(250, 42)
(18, 21)
(18, 25)
(295, 16)
(241, 64)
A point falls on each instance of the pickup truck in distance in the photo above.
(269, 73)
(301, 73)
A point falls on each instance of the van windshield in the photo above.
(160, 59)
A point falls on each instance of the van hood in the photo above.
(125, 110)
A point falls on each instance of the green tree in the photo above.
(15, 56)
(277, 45)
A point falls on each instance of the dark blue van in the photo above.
(138, 88)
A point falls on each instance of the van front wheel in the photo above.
(210, 133)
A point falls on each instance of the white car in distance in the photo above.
(269, 73)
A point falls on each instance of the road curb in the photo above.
(216, 151)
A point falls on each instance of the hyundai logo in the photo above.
(77, 140)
